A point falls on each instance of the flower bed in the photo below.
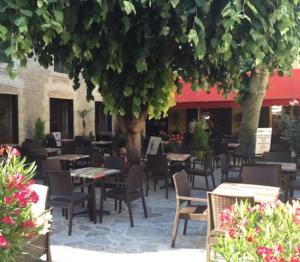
(265, 232)
(17, 224)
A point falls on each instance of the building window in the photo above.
(61, 117)
(59, 67)
(8, 119)
(103, 122)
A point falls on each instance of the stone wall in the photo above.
(34, 86)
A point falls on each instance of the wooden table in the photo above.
(69, 157)
(174, 157)
(102, 143)
(94, 173)
(233, 145)
(287, 167)
(260, 193)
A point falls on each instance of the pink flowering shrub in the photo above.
(265, 232)
(17, 224)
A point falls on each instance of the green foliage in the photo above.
(290, 125)
(39, 130)
(200, 137)
(264, 232)
(136, 52)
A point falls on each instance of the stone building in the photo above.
(42, 93)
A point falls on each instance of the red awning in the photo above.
(281, 90)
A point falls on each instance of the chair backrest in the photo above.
(114, 162)
(135, 177)
(224, 163)
(52, 164)
(283, 156)
(96, 159)
(266, 175)
(217, 203)
(84, 150)
(68, 147)
(40, 206)
(60, 183)
(39, 152)
(182, 186)
(157, 164)
(220, 148)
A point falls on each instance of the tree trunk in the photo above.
(132, 127)
(251, 109)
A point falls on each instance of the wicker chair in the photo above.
(216, 203)
(266, 175)
(188, 212)
(157, 168)
(40, 245)
(284, 156)
(226, 168)
(205, 172)
(38, 155)
(68, 147)
(50, 165)
(63, 194)
(128, 191)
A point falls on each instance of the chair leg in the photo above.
(206, 181)
(48, 253)
(144, 206)
(193, 180)
(147, 188)
(130, 213)
(167, 187)
(67, 214)
(185, 226)
(213, 180)
(120, 206)
(101, 202)
(175, 228)
(154, 184)
(116, 204)
(71, 210)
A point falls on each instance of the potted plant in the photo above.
(264, 232)
(39, 131)
(290, 125)
(200, 140)
(18, 225)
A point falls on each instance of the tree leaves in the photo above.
(128, 7)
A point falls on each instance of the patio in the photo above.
(114, 239)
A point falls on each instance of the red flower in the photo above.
(250, 238)
(257, 230)
(232, 233)
(28, 223)
(2, 150)
(264, 251)
(279, 248)
(3, 242)
(295, 259)
(297, 250)
(15, 152)
(7, 200)
(16, 212)
(33, 197)
(297, 216)
(21, 197)
(7, 220)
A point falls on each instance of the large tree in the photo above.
(135, 52)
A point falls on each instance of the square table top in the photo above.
(101, 143)
(93, 172)
(178, 157)
(285, 166)
(260, 193)
(69, 157)
(233, 145)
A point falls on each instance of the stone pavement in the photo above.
(114, 239)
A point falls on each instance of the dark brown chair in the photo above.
(50, 165)
(68, 147)
(157, 168)
(63, 194)
(205, 172)
(227, 168)
(40, 245)
(38, 155)
(128, 191)
(277, 156)
(217, 203)
(187, 212)
(97, 159)
(266, 175)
